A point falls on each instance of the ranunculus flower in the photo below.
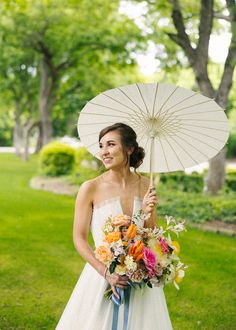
(137, 276)
(103, 254)
(113, 237)
(150, 261)
(164, 245)
(121, 220)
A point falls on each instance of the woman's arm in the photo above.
(82, 219)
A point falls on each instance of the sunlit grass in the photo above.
(40, 267)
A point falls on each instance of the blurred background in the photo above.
(57, 55)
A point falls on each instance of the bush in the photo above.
(230, 180)
(57, 159)
(196, 207)
(225, 209)
(183, 182)
(231, 146)
(187, 206)
(86, 166)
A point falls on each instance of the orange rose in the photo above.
(103, 254)
(131, 231)
(121, 220)
(113, 237)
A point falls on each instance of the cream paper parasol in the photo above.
(177, 127)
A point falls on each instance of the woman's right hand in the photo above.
(149, 201)
(116, 280)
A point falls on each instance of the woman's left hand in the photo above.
(149, 201)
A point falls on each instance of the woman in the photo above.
(116, 191)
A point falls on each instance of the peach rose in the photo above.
(103, 254)
(121, 220)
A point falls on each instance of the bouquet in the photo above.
(147, 256)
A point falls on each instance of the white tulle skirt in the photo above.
(87, 309)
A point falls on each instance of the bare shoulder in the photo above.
(145, 181)
(88, 189)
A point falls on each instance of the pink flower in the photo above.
(164, 245)
(150, 261)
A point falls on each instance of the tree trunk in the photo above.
(216, 174)
(215, 178)
(40, 138)
(44, 104)
(25, 154)
(17, 132)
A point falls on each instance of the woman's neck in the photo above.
(121, 178)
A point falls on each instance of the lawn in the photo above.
(40, 267)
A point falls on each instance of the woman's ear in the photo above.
(130, 150)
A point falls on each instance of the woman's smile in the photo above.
(107, 159)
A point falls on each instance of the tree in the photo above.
(19, 92)
(69, 40)
(200, 18)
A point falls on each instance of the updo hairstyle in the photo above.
(128, 140)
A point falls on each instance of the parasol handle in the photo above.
(151, 161)
(151, 165)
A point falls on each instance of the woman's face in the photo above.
(111, 150)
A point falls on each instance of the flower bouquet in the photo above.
(147, 256)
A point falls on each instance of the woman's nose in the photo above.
(104, 151)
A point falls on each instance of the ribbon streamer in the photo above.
(124, 295)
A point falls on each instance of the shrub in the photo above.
(230, 180)
(196, 207)
(57, 159)
(231, 146)
(86, 166)
(225, 209)
(183, 182)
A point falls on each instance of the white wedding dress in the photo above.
(87, 309)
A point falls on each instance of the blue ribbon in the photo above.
(124, 294)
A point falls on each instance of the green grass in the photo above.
(40, 267)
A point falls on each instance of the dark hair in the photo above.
(128, 140)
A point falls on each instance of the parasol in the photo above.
(178, 128)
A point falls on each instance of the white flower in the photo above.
(117, 247)
(130, 264)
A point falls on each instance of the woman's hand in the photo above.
(149, 201)
(117, 280)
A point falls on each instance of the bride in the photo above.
(118, 190)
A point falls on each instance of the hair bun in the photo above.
(137, 156)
